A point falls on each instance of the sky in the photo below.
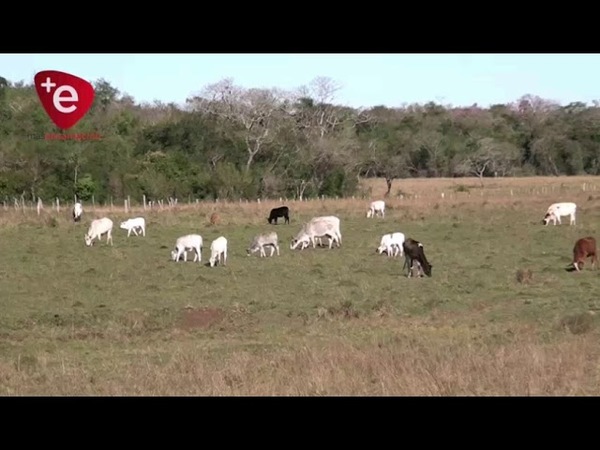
(366, 79)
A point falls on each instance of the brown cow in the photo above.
(584, 248)
(214, 219)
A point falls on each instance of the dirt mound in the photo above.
(200, 318)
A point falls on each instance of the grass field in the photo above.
(125, 320)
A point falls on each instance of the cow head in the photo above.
(427, 269)
(547, 218)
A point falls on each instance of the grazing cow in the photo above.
(282, 211)
(218, 251)
(376, 207)
(77, 212)
(97, 228)
(556, 210)
(214, 219)
(135, 225)
(392, 244)
(185, 243)
(413, 252)
(584, 248)
(319, 226)
(264, 240)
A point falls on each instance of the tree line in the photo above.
(232, 142)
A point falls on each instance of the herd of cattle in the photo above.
(313, 231)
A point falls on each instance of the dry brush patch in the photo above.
(420, 361)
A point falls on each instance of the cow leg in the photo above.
(407, 264)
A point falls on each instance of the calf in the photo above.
(584, 248)
(556, 210)
(97, 228)
(139, 223)
(392, 244)
(218, 252)
(413, 253)
(214, 219)
(376, 207)
(264, 240)
(185, 243)
(77, 212)
(282, 211)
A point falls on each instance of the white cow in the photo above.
(138, 223)
(376, 207)
(392, 244)
(185, 243)
(556, 210)
(218, 251)
(319, 226)
(77, 212)
(97, 228)
(335, 223)
(264, 240)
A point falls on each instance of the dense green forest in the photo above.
(233, 142)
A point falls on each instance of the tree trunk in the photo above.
(480, 175)
(388, 182)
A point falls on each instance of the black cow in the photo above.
(282, 211)
(413, 252)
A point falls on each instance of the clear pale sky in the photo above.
(367, 79)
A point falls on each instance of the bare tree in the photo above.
(256, 111)
(490, 156)
(317, 111)
(390, 157)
